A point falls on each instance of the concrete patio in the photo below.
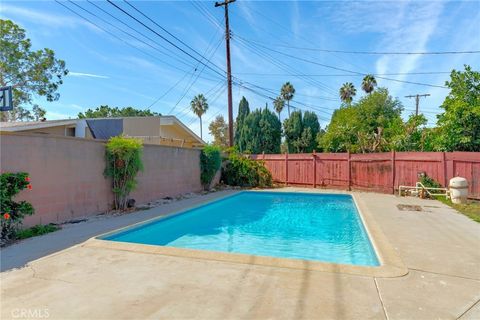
(440, 248)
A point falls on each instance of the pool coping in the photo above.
(391, 265)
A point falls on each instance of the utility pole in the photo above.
(229, 70)
(417, 100)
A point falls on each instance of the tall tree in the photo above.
(411, 135)
(301, 131)
(293, 129)
(199, 106)
(105, 111)
(279, 104)
(271, 132)
(243, 112)
(369, 83)
(366, 126)
(347, 92)
(310, 120)
(38, 112)
(459, 124)
(261, 132)
(251, 135)
(219, 130)
(29, 72)
(287, 92)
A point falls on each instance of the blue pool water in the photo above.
(321, 227)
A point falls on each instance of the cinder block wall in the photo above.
(67, 174)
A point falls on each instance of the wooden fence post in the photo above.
(393, 172)
(444, 162)
(349, 171)
(286, 168)
(314, 169)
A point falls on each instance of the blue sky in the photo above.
(122, 71)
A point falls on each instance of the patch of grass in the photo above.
(37, 230)
(471, 209)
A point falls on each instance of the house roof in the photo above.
(29, 125)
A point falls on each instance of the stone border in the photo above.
(390, 263)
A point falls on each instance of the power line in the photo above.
(214, 99)
(302, 37)
(343, 74)
(283, 66)
(126, 42)
(372, 52)
(138, 49)
(162, 37)
(171, 34)
(342, 69)
(168, 91)
(210, 93)
(206, 14)
(194, 80)
(131, 28)
(272, 99)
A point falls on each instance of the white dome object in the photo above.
(458, 190)
(458, 182)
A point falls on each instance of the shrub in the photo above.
(429, 182)
(210, 162)
(13, 212)
(36, 230)
(124, 161)
(245, 172)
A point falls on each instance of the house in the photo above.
(161, 130)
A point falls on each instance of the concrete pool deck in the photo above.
(439, 247)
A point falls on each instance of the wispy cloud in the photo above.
(295, 18)
(413, 33)
(86, 75)
(43, 18)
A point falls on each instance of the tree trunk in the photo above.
(279, 118)
(201, 134)
(288, 107)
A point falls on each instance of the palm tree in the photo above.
(199, 106)
(347, 92)
(369, 83)
(287, 93)
(279, 104)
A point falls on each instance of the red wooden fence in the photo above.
(381, 172)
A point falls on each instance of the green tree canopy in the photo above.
(459, 124)
(29, 72)
(310, 120)
(271, 131)
(243, 112)
(105, 111)
(411, 135)
(219, 130)
(261, 132)
(301, 131)
(366, 126)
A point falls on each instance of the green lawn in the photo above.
(471, 209)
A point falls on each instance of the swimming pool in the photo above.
(321, 227)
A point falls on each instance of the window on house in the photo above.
(70, 132)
